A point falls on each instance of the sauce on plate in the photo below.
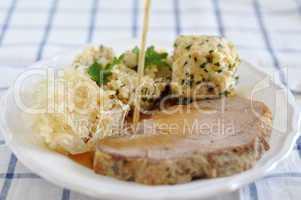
(84, 159)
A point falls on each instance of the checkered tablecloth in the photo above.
(266, 32)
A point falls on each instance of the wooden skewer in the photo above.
(141, 60)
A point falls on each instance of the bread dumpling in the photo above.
(203, 67)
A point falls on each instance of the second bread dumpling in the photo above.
(204, 67)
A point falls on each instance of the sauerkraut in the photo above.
(81, 114)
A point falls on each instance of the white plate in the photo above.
(64, 172)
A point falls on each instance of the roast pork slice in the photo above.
(205, 139)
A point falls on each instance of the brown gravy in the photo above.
(84, 159)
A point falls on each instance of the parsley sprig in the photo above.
(153, 58)
(101, 74)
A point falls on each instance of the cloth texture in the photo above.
(266, 32)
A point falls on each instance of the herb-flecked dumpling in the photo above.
(203, 67)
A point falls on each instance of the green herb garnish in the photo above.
(101, 74)
(153, 58)
(136, 50)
